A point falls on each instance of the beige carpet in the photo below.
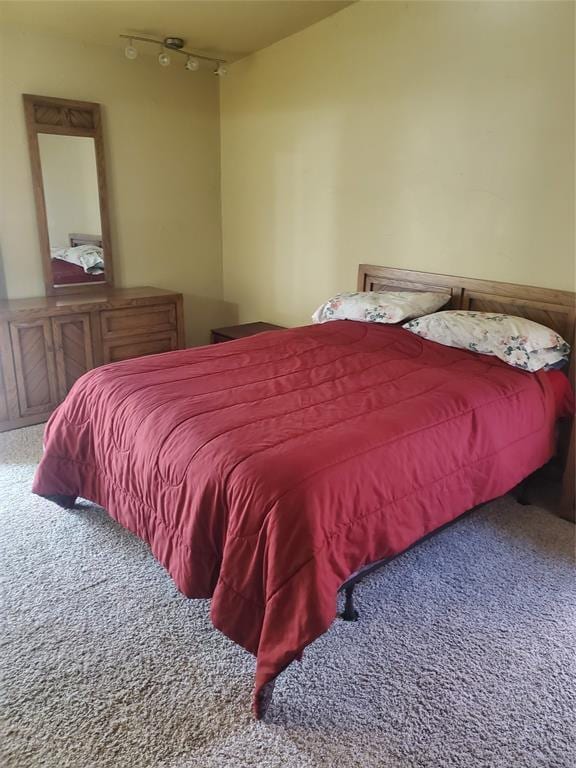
(463, 657)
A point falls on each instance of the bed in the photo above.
(269, 472)
(65, 272)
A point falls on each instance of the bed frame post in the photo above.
(264, 699)
(349, 613)
(66, 502)
(520, 492)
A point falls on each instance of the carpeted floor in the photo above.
(464, 654)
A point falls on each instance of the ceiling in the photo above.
(232, 28)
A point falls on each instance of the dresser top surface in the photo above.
(101, 299)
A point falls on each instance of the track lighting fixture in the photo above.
(174, 45)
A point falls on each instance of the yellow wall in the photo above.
(434, 136)
(161, 127)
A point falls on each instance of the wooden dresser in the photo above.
(47, 343)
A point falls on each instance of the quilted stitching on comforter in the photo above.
(263, 472)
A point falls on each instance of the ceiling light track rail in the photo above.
(174, 45)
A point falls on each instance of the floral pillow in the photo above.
(379, 307)
(515, 340)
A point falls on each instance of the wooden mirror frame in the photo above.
(67, 118)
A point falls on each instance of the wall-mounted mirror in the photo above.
(67, 157)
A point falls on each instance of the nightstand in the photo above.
(218, 335)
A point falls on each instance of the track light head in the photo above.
(130, 52)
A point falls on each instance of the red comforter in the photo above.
(263, 472)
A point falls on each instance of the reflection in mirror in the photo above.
(70, 180)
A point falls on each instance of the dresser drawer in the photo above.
(135, 321)
(125, 348)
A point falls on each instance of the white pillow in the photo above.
(379, 307)
(515, 340)
(88, 256)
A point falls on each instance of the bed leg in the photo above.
(264, 699)
(520, 493)
(349, 613)
(67, 502)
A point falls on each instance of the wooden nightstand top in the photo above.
(231, 332)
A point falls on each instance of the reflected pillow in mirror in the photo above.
(89, 257)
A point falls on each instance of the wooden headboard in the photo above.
(77, 238)
(554, 308)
